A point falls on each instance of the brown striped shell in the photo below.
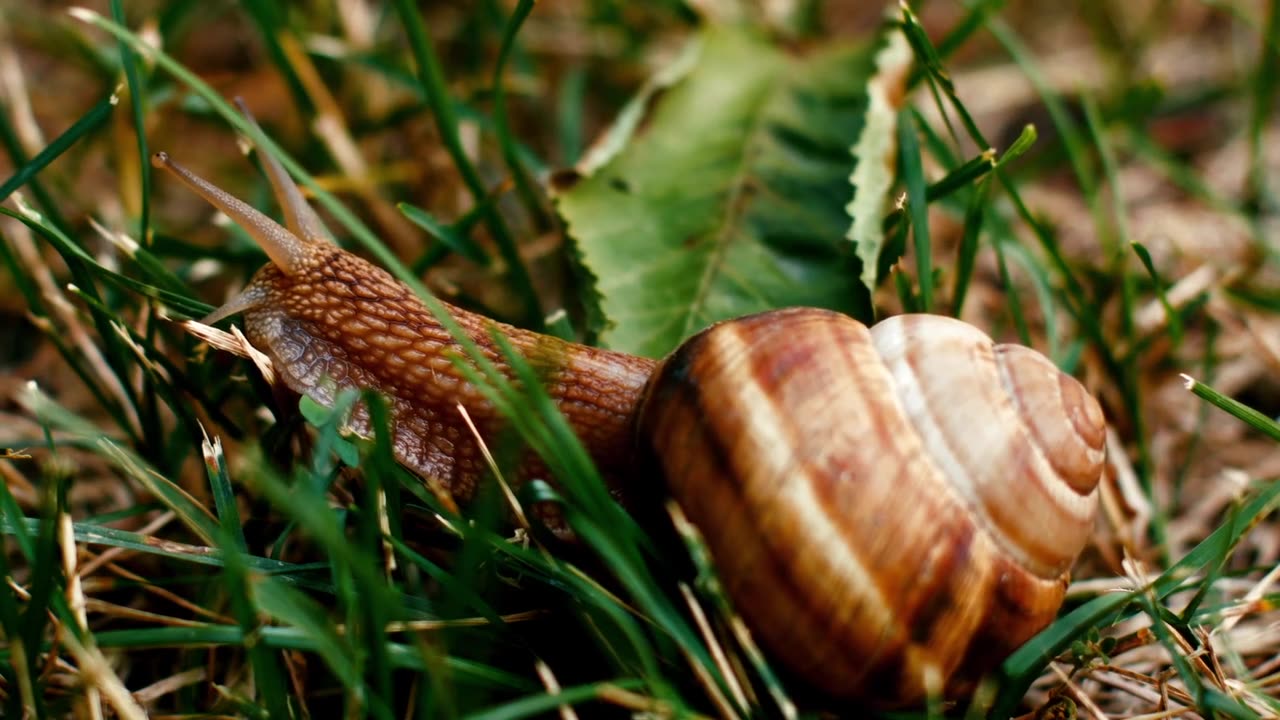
(892, 510)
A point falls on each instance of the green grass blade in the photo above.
(224, 496)
(1026, 664)
(308, 508)
(540, 704)
(1174, 318)
(1022, 144)
(1164, 636)
(297, 610)
(15, 525)
(912, 169)
(1216, 567)
(268, 676)
(164, 286)
(78, 130)
(18, 159)
(71, 357)
(1062, 120)
(1042, 285)
(967, 174)
(457, 240)
(1112, 242)
(972, 21)
(77, 257)
(288, 638)
(267, 16)
(502, 126)
(1265, 85)
(452, 587)
(1235, 408)
(85, 434)
(372, 615)
(569, 111)
(966, 258)
(41, 592)
(1002, 246)
(431, 77)
(1217, 702)
(593, 515)
(938, 77)
(137, 102)
(91, 534)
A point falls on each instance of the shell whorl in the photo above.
(792, 440)
(990, 413)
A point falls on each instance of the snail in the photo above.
(892, 510)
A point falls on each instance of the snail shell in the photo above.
(892, 511)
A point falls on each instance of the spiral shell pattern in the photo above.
(892, 510)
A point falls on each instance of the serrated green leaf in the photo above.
(875, 149)
(730, 197)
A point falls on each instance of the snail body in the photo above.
(891, 510)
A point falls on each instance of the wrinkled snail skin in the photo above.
(892, 511)
(344, 323)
